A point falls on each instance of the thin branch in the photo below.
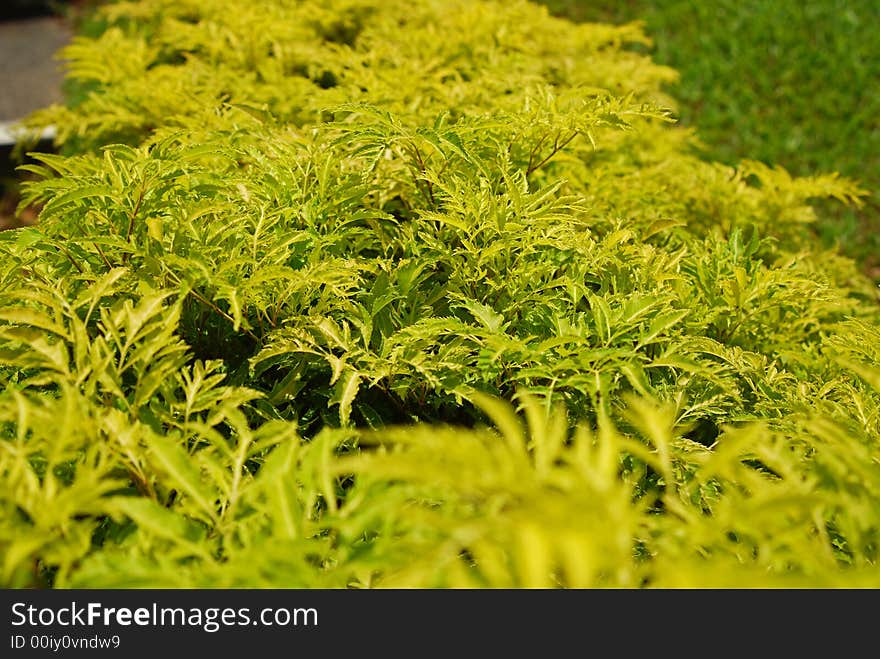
(557, 147)
(70, 257)
(201, 298)
(217, 309)
(133, 215)
(535, 152)
(103, 256)
(424, 170)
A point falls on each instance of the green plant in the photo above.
(294, 261)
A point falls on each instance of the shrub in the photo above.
(363, 293)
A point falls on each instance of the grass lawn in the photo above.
(789, 82)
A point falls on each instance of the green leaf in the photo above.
(483, 314)
(661, 324)
(177, 464)
(344, 393)
(161, 522)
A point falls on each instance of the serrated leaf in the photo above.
(178, 465)
(33, 318)
(483, 314)
(159, 521)
(344, 393)
(662, 323)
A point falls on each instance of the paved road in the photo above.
(29, 76)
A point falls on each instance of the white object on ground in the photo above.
(10, 133)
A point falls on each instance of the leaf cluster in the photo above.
(294, 261)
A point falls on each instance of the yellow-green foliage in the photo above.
(362, 293)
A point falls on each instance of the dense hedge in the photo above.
(361, 293)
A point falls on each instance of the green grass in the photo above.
(789, 82)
